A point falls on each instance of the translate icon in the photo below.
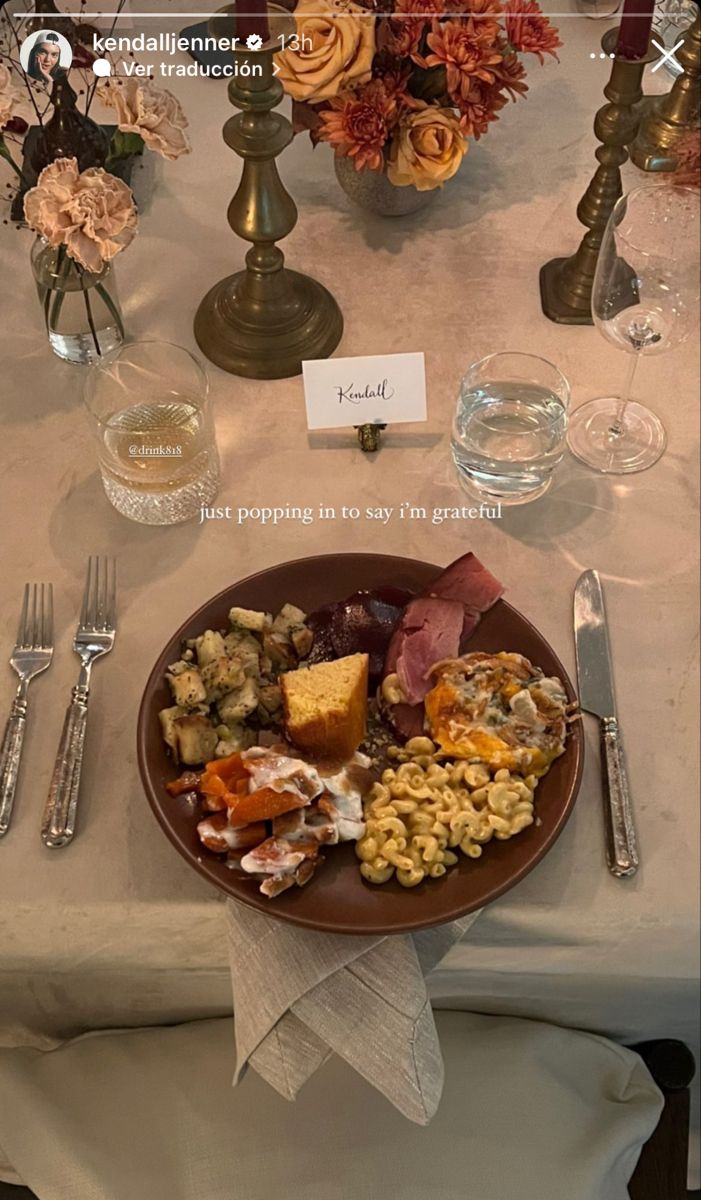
(102, 67)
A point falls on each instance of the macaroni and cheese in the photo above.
(424, 812)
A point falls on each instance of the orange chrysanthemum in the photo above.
(467, 52)
(479, 108)
(394, 77)
(509, 76)
(419, 8)
(400, 36)
(357, 125)
(529, 31)
(485, 12)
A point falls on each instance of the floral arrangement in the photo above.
(90, 213)
(402, 90)
(84, 218)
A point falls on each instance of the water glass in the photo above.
(598, 8)
(509, 427)
(150, 414)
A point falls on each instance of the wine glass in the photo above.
(644, 299)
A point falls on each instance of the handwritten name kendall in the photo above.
(382, 391)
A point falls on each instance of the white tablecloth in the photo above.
(116, 930)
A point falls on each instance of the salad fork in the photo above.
(32, 655)
(94, 637)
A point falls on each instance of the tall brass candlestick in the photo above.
(263, 321)
(566, 283)
(672, 116)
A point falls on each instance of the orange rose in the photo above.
(427, 149)
(336, 43)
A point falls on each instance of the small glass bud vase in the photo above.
(81, 310)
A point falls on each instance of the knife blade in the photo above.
(596, 696)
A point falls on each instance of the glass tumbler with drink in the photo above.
(149, 409)
(509, 427)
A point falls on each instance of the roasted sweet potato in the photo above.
(263, 805)
(225, 779)
(189, 781)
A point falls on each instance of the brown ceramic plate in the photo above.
(337, 898)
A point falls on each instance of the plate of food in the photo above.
(361, 743)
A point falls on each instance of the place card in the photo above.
(378, 389)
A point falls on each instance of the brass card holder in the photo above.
(566, 283)
(262, 322)
(671, 117)
(369, 437)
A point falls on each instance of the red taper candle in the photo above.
(252, 18)
(635, 29)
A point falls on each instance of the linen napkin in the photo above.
(300, 995)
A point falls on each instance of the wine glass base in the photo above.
(592, 438)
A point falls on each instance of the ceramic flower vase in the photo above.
(373, 191)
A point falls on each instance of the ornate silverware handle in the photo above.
(622, 843)
(58, 825)
(10, 755)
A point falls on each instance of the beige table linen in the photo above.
(116, 929)
(528, 1110)
(299, 995)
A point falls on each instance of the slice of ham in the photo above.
(430, 630)
(433, 627)
(469, 582)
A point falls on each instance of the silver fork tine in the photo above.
(95, 592)
(40, 618)
(47, 615)
(111, 593)
(99, 599)
(34, 636)
(110, 619)
(86, 595)
(102, 600)
(22, 629)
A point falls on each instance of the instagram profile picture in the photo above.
(46, 55)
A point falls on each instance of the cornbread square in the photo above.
(326, 706)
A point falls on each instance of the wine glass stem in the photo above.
(616, 427)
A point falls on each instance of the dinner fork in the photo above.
(31, 655)
(94, 637)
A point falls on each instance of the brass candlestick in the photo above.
(265, 320)
(670, 117)
(566, 283)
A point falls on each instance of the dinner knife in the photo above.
(596, 696)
